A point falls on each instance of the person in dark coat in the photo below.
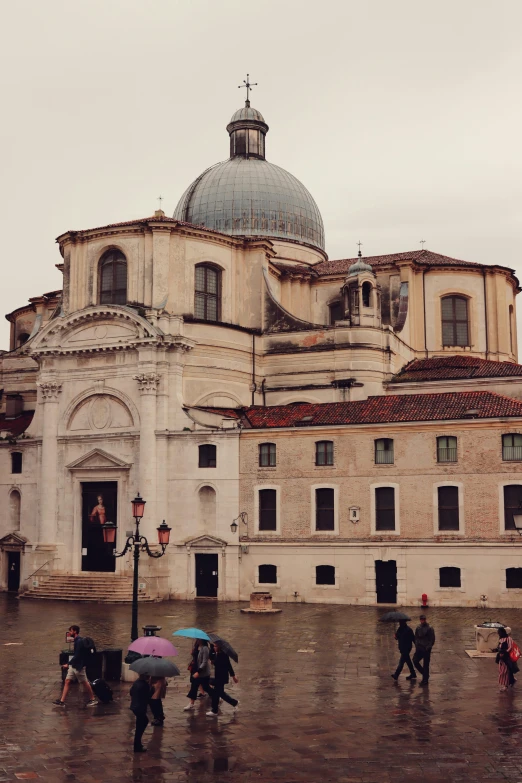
(140, 694)
(199, 672)
(222, 670)
(424, 641)
(405, 639)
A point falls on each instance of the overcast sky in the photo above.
(402, 118)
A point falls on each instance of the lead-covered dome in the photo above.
(247, 195)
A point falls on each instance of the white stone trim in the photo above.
(501, 520)
(277, 531)
(335, 586)
(462, 520)
(335, 531)
(373, 509)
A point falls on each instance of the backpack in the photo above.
(514, 653)
(88, 647)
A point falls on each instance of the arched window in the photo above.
(325, 575)
(267, 574)
(267, 455)
(449, 576)
(14, 509)
(366, 294)
(207, 456)
(384, 451)
(336, 312)
(113, 278)
(22, 339)
(455, 330)
(207, 295)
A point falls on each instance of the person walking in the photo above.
(222, 670)
(159, 691)
(506, 677)
(405, 639)
(199, 672)
(140, 694)
(76, 669)
(424, 641)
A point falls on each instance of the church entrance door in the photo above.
(206, 576)
(386, 581)
(99, 505)
(13, 571)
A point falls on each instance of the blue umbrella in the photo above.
(192, 633)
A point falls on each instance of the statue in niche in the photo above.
(99, 512)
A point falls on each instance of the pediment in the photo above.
(205, 542)
(96, 459)
(13, 541)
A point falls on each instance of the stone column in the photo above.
(148, 386)
(49, 394)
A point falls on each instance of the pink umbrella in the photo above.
(153, 645)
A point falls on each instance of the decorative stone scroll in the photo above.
(147, 381)
(50, 390)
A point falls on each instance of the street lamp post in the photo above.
(140, 544)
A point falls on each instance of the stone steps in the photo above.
(85, 588)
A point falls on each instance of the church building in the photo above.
(345, 430)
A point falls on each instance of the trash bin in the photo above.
(94, 668)
(112, 668)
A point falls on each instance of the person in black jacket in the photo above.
(424, 641)
(405, 638)
(222, 670)
(140, 694)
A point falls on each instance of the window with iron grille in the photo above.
(324, 509)
(512, 448)
(514, 578)
(113, 278)
(325, 575)
(16, 462)
(267, 574)
(512, 504)
(384, 508)
(384, 451)
(268, 509)
(267, 455)
(449, 577)
(447, 449)
(207, 296)
(448, 508)
(455, 330)
(207, 456)
(324, 452)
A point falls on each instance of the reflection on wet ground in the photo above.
(332, 713)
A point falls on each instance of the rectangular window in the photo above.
(267, 574)
(325, 575)
(267, 455)
(16, 462)
(448, 508)
(207, 456)
(268, 510)
(449, 577)
(447, 449)
(324, 509)
(512, 448)
(384, 508)
(384, 451)
(512, 504)
(514, 578)
(324, 452)
(454, 321)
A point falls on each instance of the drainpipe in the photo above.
(424, 306)
(263, 391)
(485, 312)
(253, 386)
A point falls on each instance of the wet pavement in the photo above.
(330, 713)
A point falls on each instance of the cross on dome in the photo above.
(248, 86)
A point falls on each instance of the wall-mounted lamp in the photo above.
(517, 521)
(242, 517)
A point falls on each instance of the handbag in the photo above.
(514, 653)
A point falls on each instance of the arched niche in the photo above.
(207, 509)
(15, 504)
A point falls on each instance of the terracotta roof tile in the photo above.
(16, 426)
(381, 410)
(447, 368)
(427, 257)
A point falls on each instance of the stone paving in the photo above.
(330, 714)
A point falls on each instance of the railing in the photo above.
(39, 569)
(384, 457)
(446, 455)
(512, 453)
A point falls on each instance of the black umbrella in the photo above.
(155, 667)
(394, 617)
(225, 646)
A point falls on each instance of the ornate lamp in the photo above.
(233, 526)
(109, 533)
(164, 533)
(138, 507)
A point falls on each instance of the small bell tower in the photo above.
(361, 295)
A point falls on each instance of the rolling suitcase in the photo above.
(102, 691)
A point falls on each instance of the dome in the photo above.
(248, 196)
(359, 266)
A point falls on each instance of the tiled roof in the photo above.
(152, 219)
(15, 427)
(448, 368)
(381, 410)
(419, 256)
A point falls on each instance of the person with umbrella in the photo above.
(140, 694)
(223, 668)
(199, 672)
(405, 639)
(157, 647)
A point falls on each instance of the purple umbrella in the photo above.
(153, 645)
